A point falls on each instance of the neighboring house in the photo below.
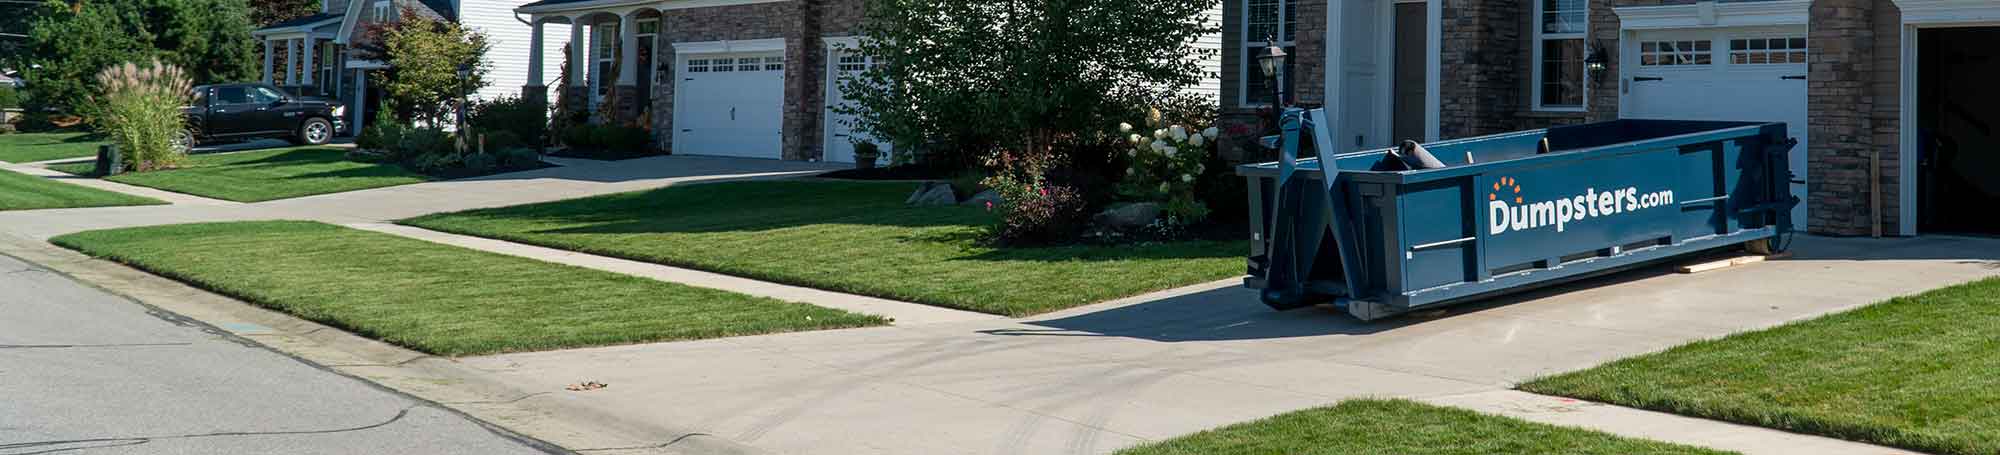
(748, 78)
(1886, 97)
(314, 55)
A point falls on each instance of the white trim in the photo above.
(1906, 134)
(348, 19)
(1949, 12)
(1714, 14)
(726, 46)
(648, 4)
(842, 42)
(359, 64)
(1535, 61)
(1245, 61)
(1434, 67)
(301, 29)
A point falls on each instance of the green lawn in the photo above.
(26, 192)
(1919, 372)
(32, 147)
(265, 175)
(1402, 428)
(855, 237)
(441, 299)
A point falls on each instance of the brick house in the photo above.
(1834, 70)
(314, 55)
(745, 78)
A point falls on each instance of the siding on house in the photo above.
(510, 40)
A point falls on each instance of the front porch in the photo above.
(610, 60)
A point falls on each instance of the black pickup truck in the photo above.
(239, 112)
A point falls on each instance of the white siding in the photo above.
(510, 40)
(1211, 67)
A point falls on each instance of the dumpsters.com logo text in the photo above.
(1508, 212)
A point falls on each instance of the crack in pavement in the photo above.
(654, 446)
(136, 440)
(70, 346)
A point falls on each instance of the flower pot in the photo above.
(864, 161)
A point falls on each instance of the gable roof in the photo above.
(442, 7)
(549, 2)
(307, 22)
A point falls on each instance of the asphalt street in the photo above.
(83, 371)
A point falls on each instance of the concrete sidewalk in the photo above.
(1095, 379)
(398, 202)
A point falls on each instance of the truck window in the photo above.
(265, 96)
(232, 95)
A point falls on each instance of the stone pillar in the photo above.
(270, 57)
(1839, 102)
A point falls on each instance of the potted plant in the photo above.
(865, 154)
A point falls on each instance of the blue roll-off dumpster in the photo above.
(1506, 212)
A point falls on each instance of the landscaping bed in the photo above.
(441, 299)
(1916, 372)
(854, 237)
(1403, 428)
(26, 192)
(266, 175)
(33, 147)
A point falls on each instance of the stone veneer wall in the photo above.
(736, 23)
(1841, 110)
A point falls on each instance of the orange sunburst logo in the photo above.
(1506, 185)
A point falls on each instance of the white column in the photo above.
(579, 54)
(291, 62)
(628, 50)
(535, 53)
(312, 51)
(269, 58)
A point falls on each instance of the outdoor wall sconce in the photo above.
(1596, 63)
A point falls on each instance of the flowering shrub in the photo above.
(1034, 210)
(1165, 167)
(139, 106)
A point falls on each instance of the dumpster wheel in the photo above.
(1760, 247)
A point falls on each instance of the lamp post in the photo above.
(1271, 61)
(464, 72)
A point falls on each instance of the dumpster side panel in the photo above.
(1438, 233)
(1535, 216)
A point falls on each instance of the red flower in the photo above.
(989, 206)
(1045, 192)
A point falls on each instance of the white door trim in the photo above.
(1919, 15)
(1433, 74)
(726, 46)
(1714, 14)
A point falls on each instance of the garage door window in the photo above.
(1674, 53)
(1767, 51)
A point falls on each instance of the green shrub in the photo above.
(580, 138)
(140, 109)
(480, 163)
(501, 140)
(9, 97)
(626, 140)
(526, 120)
(424, 145)
(519, 158)
(383, 134)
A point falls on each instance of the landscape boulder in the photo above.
(933, 193)
(983, 198)
(1127, 216)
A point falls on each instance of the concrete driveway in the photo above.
(1099, 378)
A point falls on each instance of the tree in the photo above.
(1025, 74)
(267, 12)
(70, 43)
(423, 56)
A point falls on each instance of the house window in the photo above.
(1264, 20)
(1674, 53)
(1559, 53)
(605, 36)
(1765, 51)
(382, 8)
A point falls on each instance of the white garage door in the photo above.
(1743, 74)
(730, 105)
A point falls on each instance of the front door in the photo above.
(1411, 72)
(1753, 74)
(840, 132)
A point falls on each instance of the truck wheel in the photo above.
(182, 142)
(1760, 247)
(315, 131)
